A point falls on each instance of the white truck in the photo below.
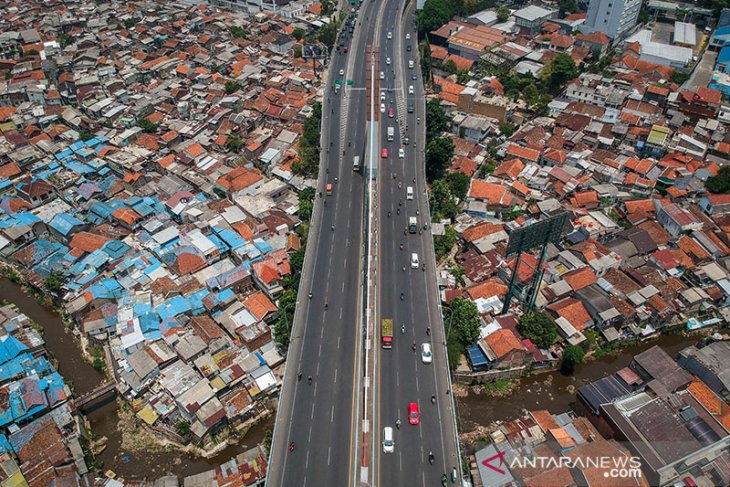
(391, 134)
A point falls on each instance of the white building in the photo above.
(612, 17)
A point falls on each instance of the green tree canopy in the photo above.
(237, 32)
(450, 67)
(436, 121)
(567, 7)
(234, 144)
(539, 328)
(464, 319)
(559, 71)
(572, 357)
(502, 13)
(443, 244)
(719, 183)
(442, 202)
(439, 152)
(434, 14)
(231, 87)
(458, 184)
(55, 281)
(298, 33)
(147, 126)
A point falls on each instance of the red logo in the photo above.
(487, 463)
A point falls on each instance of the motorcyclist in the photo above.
(404, 268)
(309, 380)
(402, 328)
(310, 295)
(431, 458)
(401, 246)
(389, 212)
(433, 398)
(413, 347)
(398, 211)
(402, 296)
(292, 446)
(397, 424)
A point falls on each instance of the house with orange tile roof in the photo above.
(504, 349)
(496, 196)
(580, 278)
(510, 168)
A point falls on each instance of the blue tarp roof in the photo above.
(477, 357)
(63, 223)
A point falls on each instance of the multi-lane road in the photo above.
(402, 377)
(318, 435)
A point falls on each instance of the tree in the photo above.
(234, 144)
(442, 244)
(306, 204)
(55, 281)
(439, 152)
(297, 50)
(531, 94)
(436, 121)
(559, 71)
(503, 13)
(506, 129)
(182, 428)
(572, 357)
(434, 14)
(450, 67)
(567, 7)
(327, 34)
(231, 87)
(679, 77)
(85, 135)
(465, 320)
(424, 49)
(65, 39)
(237, 32)
(539, 328)
(720, 183)
(458, 184)
(147, 126)
(298, 33)
(214, 68)
(442, 203)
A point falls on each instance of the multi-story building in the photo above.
(612, 17)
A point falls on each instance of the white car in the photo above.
(382, 108)
(408, 35)
(382, 75)
(388, 443)
(401, 153)
(342, 72)
(387, 61)
(410, 63)
(426, 356)
(410, 90)
(382, 96)
(390, 35)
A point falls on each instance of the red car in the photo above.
(391, 112)
(384, 153)
(344, 49)
(414, 417)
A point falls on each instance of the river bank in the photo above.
(105, 421)
(552, 391)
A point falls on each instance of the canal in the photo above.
(105, 421)
(553, 391)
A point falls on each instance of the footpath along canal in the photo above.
(553, 391)
(105, 421)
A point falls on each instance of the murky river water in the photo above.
(84, 378)
(536, 392)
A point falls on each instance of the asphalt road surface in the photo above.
(402, 377)
(321, 419)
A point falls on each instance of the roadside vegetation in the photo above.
(308, 163)
(462, 328)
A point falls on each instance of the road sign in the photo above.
(536, 235)
(338, 82)
(350, 82)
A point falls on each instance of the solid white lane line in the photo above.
(332, 414)
(335, 376)
(338, 343)
(311, 416)
(329, 454)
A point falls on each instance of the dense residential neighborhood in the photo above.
(158, 166)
